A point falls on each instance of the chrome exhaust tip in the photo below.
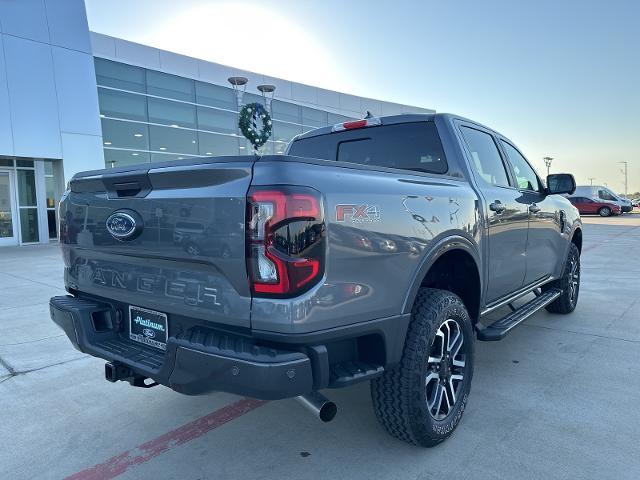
(319, 405)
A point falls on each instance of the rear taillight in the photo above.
(285, 240)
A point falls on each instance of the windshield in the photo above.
(607, 195)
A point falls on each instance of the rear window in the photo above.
(410, 146)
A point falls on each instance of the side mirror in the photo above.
(560, 183)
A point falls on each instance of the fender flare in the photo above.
(575, 227)
(570, 232)
(442, 246)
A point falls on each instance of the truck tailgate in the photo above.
(187, 254)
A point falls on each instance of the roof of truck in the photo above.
(391, 120)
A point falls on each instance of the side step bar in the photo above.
(498, 330)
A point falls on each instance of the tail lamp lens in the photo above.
(285, 240)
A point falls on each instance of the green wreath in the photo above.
(250, 116)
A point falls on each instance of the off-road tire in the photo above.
(567, 301)
(400, 394)
(605, 211)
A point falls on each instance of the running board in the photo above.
(498, 330)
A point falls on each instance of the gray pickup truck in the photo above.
(373, 250)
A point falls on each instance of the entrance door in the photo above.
(8, 220)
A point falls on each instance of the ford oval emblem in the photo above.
(124, 225)
(147, 332)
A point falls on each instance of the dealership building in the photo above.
(73, 100)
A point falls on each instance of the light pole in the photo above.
(239, 85)
(626, 164)
(591, 179)
(547, 162)
(268, 92)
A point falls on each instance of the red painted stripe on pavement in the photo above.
(120, 463)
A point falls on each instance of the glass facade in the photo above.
(52, 195)
(6, 199)
(30, 190)
(151, 116)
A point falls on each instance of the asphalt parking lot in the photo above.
(558, 398)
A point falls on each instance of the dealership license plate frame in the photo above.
(148, 317)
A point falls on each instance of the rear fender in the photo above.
(442, 246)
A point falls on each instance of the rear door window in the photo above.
(410, 146)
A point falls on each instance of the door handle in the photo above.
(533, 208)
(497, 206)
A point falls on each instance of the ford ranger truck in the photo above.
(374, 250)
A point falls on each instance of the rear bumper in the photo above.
(196, 361)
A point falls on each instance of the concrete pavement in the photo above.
(556, 399)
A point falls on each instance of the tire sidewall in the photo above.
(604, 212)
(439, 430)
(574, 254)
(563, 304)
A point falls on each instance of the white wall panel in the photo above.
(24, 18)
(76, 87)
(345, 104)
(68, 24)
(389, 108)
(283, 87)
(178, 64)
(219, 74)
(373, 106)
(304, 93)
(6, 140)
(129, 52)
(32, 93)
(328, 98)
(349, 102)
(255, 79)
(103, 45)
(81, 152)
(213, 73)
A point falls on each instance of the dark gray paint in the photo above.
(373, 269)
(156, 269)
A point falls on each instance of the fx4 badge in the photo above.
(357, 213)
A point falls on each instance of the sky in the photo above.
(559, 78)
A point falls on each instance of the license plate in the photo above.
(148, 327)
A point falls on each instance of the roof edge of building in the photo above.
(126, 51)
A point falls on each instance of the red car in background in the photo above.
(588, 206)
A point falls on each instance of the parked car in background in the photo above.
(635, 202)
(587, 206)
(627, 206)
(600, 192)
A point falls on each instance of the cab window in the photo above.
(408, 146)
(485, 157)
(525, 175)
